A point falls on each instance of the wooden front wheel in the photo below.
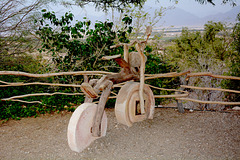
(127, 107)
(80, 127)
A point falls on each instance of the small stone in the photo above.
(237, 108)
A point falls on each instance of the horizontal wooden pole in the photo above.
(17, 73)
(112, 97)
(171, 96)
(39, 94)
(30, 102)
(206, 88)
(165, 75)
(209, 102)
(166, 89)
(8, 84)
(211, 75)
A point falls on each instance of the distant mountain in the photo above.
(179, 17)
(229, 16)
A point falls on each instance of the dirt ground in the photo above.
(170, 135)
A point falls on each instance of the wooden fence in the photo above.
(180, 95)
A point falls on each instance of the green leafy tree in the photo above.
(235, 61)
(141, 18)
(79, 46)
(204, 52)
(192, 47)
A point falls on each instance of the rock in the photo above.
(237, 108)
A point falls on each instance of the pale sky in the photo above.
(190, 6)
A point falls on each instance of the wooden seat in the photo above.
(88, 90)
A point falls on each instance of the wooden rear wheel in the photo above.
(127, 107)
(80, 127)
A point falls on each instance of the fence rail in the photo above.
(211, 75)
(182, 97)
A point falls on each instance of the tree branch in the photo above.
(165, 89)
(213, 89)
(210, 75)
(7, 84)
(39, 94)
(18, 100)
(17, 73)
(209, 102)
(172, 74)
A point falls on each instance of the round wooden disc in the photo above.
(80, 127)
(127, 101)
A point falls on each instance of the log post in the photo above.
(179, 102)
(180, 106)
(126, 54)
(85, 78)
(142, 77)
(96, 128)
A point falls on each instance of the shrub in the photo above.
(204, 52)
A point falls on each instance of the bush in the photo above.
(204, 52)
(235, 62)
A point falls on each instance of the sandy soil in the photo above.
(170, 135)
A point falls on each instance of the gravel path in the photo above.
(170, 135)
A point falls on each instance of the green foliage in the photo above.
(235, 61)
(25, 63)
(213, 50)
(141, 18)
(55, 103)
(82, 46)
(154, 65)
(11, 109)
(202, 52)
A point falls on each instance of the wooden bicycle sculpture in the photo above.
(135, 101)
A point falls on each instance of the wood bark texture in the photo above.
(96, 128)
(140, 49)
